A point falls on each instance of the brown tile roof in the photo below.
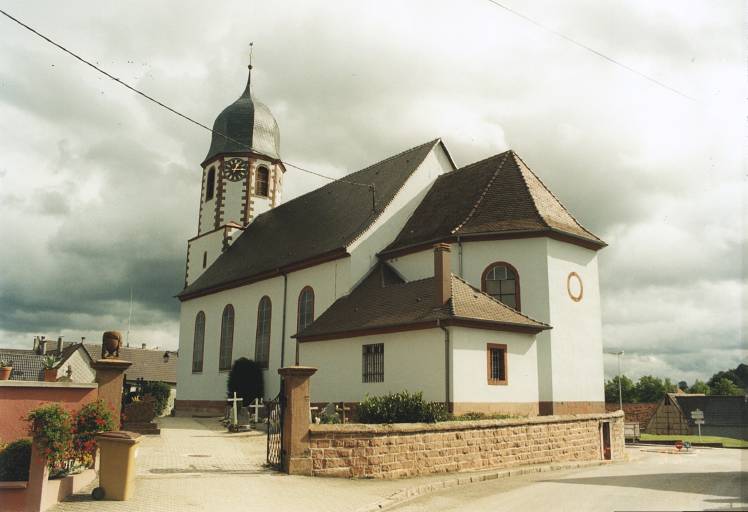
(147, 364)
(496, 196)
(384, 302)
(320, 223)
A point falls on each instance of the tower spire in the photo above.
(247, 90)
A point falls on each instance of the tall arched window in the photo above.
(501, 281)
(227, 338)
(306, 308)
(210, 184)
(262, 180)
(198, 343)
(262, 340)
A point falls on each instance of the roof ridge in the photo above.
(345, 177)
(498, 302)
(485, 191)
(519, 161)
(371, 219)
(392, 157)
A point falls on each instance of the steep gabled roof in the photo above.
(496, 196)
(383, 302)
(26, 364)
(147, 364)
(319, 224)
(722, 411)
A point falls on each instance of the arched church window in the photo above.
(501, 281)
(306, 308)
(262, 340)
(262, 181)
(227, 338)
(198, 344)
(210, 184)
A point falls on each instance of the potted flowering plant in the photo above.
(6, 367)
(50, 372)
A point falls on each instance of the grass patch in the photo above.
(727, 442)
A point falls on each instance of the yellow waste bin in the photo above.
(116, 465)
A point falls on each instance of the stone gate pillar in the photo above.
(110, 375)
(295, 434)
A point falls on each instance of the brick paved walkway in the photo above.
(196, 465)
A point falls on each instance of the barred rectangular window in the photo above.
(497, 367)
(372, 369)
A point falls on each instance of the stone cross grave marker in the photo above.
(234, 418)
(256, 406)
(311, 412)
(343, 409)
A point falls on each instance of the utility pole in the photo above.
(620, 392)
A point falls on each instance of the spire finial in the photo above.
(247, 90)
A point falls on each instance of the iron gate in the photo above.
(275, 431)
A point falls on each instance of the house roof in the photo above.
(147, 364)
(720, 411)
(26, 364)
(383, 302)
(497, 196)
(316, 226)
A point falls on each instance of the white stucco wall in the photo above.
(210, 243)
(576, 339)
(81, 366)
(329, 281)
(413, 361)
(469, 366)
(208, 208)
(386, 228)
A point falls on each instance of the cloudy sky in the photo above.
(99, 189)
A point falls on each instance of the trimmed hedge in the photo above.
(15, 460)
(402, 407)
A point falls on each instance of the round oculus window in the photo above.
(574, 287)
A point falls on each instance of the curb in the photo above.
(412, 493)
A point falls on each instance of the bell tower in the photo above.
(242, 177)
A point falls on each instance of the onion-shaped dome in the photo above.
(246, 123)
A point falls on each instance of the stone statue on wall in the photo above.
(111, 342)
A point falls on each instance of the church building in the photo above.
(472, 284)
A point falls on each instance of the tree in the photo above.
(699, 387)
(683, 386)
(725, 386)
(731, 375)
(246, 379)
(651, 389)
(627, 390)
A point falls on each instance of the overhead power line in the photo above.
(167, 107)
(590, 49)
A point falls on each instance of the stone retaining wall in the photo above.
(411, 449)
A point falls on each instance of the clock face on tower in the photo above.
(235, 169)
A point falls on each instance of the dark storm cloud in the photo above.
(99, 188)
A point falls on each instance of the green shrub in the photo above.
(15, 460)
(246, 379)
(473, 416)
(91, 419)
(160, 392)
(51, 428)
(402, 407)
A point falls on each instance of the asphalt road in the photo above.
(705, 479)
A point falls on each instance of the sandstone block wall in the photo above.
(411, 449)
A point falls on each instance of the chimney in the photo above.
(59, 345)
(442, 274)
(36, 345)
(42, 346)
